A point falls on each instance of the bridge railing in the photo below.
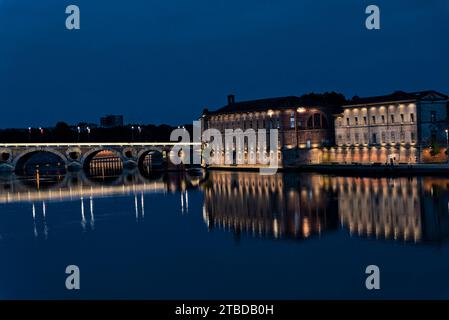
(98, 144)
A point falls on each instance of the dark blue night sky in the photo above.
(164, 61)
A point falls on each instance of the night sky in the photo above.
(164, 61)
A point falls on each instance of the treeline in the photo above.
(63, 132)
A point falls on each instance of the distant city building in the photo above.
(304, 123)
(111, 121)
(403, 127)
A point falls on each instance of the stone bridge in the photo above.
(76, 156)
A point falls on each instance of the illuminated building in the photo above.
(403, 127)
(305, 124)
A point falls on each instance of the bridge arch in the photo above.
(20, 160)
(87, 157)
(155, 160)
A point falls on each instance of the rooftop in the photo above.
(309, 100)
(397, 96)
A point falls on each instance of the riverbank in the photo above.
(355, 169)
(360, 169)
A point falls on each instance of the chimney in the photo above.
(231, 99)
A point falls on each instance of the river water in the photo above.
(224, 235)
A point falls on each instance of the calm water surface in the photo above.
(224, 236)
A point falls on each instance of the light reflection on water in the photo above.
(170, 230)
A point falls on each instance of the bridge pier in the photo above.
(6, 168)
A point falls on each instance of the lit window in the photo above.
(292, 120)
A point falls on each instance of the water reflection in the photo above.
(82, 191)
(282, 206)
(302, 205)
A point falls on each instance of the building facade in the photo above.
(305, 124)
(111, 121)
(397, 128)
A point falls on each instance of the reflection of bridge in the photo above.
(75, 186)
(78, 155)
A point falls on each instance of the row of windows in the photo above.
(315, 121)
(255, 124)
(364, 120)
(375, 139)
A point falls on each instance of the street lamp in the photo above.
(41, 130)
(140, 132)
(132, 133)
(79, 131)
(29, 134)
(88, 133)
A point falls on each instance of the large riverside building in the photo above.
(305, 124)
(403, 127)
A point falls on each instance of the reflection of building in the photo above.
(278, 206)
(111, 121)
(414, 210)
(435, 208)
(383, 208)
(408, 209)
(399, 128)
(304, 124)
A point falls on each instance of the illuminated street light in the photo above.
(140, 131)
(88, 133)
